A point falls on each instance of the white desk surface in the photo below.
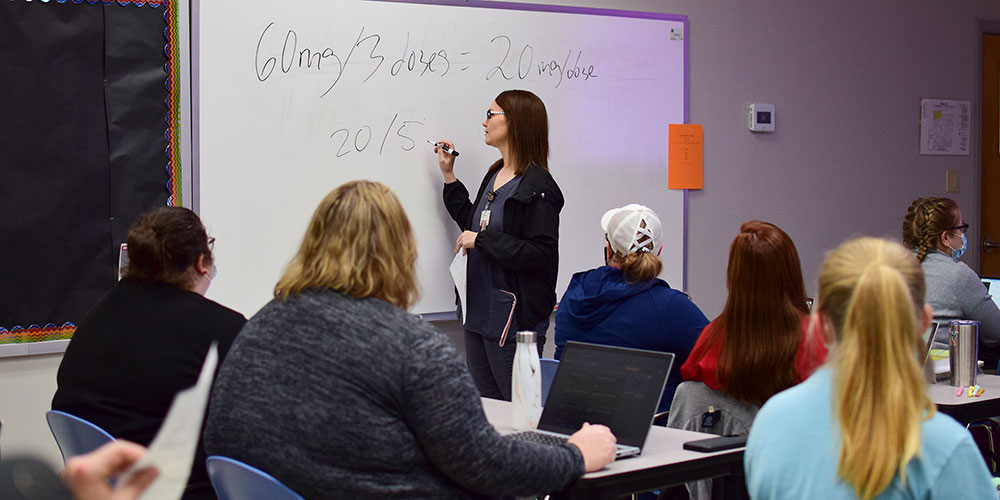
(943, 393)
(663, 445)
(963, 408)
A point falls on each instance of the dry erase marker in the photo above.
(980, 391)
(960, 389)
(444, 148)
(972, 390)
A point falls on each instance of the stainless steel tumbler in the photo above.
(963, 351)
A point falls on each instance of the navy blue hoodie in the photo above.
(601, 308)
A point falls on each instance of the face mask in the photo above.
(215, 270)
(957, 252)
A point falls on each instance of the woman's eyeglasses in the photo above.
(490, 113)
(211, 244)
(961, 229)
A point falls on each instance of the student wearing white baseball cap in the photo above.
(624, 303)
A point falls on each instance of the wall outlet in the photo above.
(951, 183)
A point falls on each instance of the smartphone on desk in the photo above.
(716, 444)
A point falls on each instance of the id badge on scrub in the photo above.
(484, 219)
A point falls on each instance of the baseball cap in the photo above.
(630, 228)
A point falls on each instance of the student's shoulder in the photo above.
(664, 294)
(808, 396)
(221, 314)
(941, 435)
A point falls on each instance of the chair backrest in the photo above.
(687, 411)
(549, 367)
(691, 402)
(235, 480)
(74, 435)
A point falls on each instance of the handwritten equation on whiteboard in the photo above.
(280, 53)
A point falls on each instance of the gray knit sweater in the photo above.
(954, 291)
(345, 398)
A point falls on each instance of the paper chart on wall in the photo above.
(945, 127)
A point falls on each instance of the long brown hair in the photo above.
(872, 291)
(924, 222)
(164, 245)
(528, 128)
(359, 243)
(761, 326)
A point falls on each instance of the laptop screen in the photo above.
(993, 287)
(614, 386)
(929, 339)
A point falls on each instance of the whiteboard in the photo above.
(295, 97)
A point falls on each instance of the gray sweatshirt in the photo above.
(340, 397)
(954, 291)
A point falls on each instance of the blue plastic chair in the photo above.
(74, 435)
(235, 480)
(549, 367)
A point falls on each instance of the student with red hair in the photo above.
(761, 344)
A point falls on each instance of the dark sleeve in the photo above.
(29, 478)
(538, 249)
(682, 322)
(561, 328)
(445, 414)
(456, 201)
(230, 325)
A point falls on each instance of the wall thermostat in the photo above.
(761, 118)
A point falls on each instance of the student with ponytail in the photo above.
(624, 303)
(934, 230)
(862, 426)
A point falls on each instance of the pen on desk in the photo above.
(444, 148)
(960, 389)
(980, 391)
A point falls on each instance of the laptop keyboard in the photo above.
(538, 437)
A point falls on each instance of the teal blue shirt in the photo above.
(793, 449)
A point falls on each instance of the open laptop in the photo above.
(929, 340)
(993, 287)
(614, 386)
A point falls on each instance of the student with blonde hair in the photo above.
(338, 392)
(862, 426)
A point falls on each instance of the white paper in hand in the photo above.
(172, 450)
(458, 269)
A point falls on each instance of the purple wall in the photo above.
(846, 79)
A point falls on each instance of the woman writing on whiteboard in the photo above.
(511, 236)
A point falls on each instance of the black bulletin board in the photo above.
(85, 140)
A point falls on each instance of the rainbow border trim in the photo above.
(34, 333)
(173, 104)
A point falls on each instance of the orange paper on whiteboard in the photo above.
(684, 169)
